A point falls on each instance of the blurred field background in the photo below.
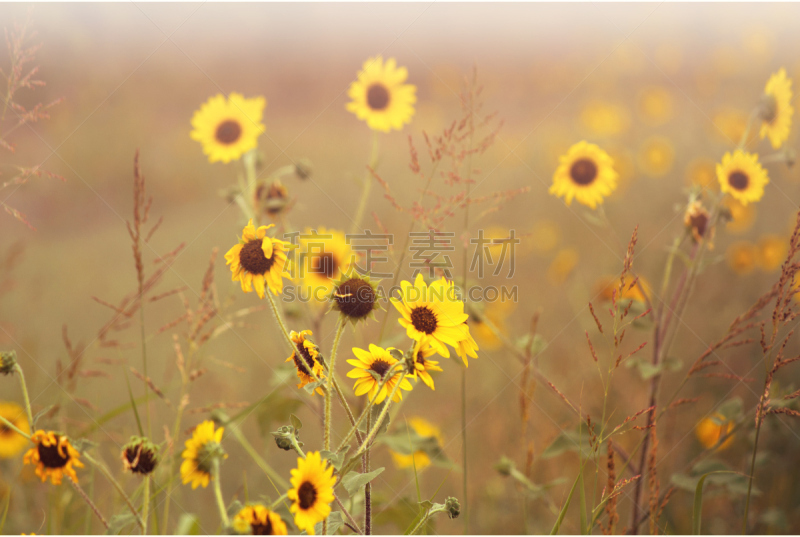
(665, 88)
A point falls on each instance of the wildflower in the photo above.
(608, 284)
(739, 217)
(312, 491)
(562, 266)
(696, 219)
(201, 450)
(776, 109)
(731, 123)
(742, 257)
(53, 456)
(324, 257)
(453, 507)
(371, 368)
(258, 261)
(771, 252)
(604, 118)
(656, 156)
(419, 459)
(140, 456)
(8, 361)
(11, 442)
(258, 520)
(433, 312)
(742, 176)
(585, 173)
(467, 346)
(496, 313)
(423, 365)
(655, 105)
(701, 172)
(380, 96)
(710, 430)
(545, 236)
(306, 359)
(355, 297)
(228, 128)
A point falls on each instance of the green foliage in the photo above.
(354, 481)
(275, 408)
(576, 441)
(646, 368)
(719, 474)
(335, 521)
(188, 524)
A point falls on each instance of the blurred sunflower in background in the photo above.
(419, 459)
(324, 257)
(258, 520)
(655, 105)
(710, 430)
(772, 251)
(380, 95)
(201, 450)
(371, 368)
(605, 118)
(656, 156)
(53, 456)
(258, 261)
(11, 442)
(228, 127)
(742, 257)
(740, 217)
(312, 491)
(585, 173)
(776, 109)
(741, 175)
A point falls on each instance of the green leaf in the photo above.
(563, 513)
(568, 441)
(334, 458)
(296, 423)
(335, 521)
(354, 481)
(732, 409)
(697, 511)
(188, 524)
(234, 508)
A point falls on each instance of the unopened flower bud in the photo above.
(8, 361)
(453, 507)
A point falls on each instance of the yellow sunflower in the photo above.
(258, 261)
(776, 109)
(228, 128)
(11, 442)
(53, 456)
(258, 520)
(585, 173)
(201, 450)
(380, 96)
(656, 156)
(323, 257)
(370, 370)
(433, 312)
(312, 491)
(419, 459)
(306, 359)
(467, 346)
(742, 176)
(772, 251)
(740, 217)
(423, 365)
(742, 257)
(710, 430)
(497, 312)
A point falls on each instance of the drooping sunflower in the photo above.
(742, 176)
(139, 456)
(11, 442)
(419, 459)
(323, 257)
(201, 450)
(355, 297)
(371, 368)
(585, 173)
(711, 430)
(258, 520)
(776, 109)
(312, 491)
(380, 95)
(228, 127)
(433, 312)
(423, 365)
(53, 456)
(306, 359)
(258, 261)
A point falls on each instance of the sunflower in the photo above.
(258, 261)
(742, 257)
(585, 173)
(772, 251)
(696, 220)
(323, 258)
(419, 459)
(742, 176)
(467, 346)
(355, 297)
(563, 265)
(655, 106)
(380, 97)
(656, 156)
(423, 365)
(258, 520)
(11, 442)
(710, 430)
(740, 217)
(776, 109)
(201, 450)
(312, 491)
(370, 370)
(433, 312)
(605, 118)
(497, 313)
(140, 456)
(228, 128)
(53, 456)
(306, 360)
(606, 286)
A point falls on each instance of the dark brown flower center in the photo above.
(228, 132)
(380, 367)
(306, 495)
(378, 96)
(140, 460)
(355, 297)
(305, 365)
(420, 359)
(253, 259)
(423, 319)
(262, 527)
(698, 223)
(323, 263)
(51, 456)
(738, 180)
(583, 171)
(5, 430)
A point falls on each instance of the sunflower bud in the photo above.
(8, 362)
(453, 507)
(303, 168)
(140, 456)
(286, 438)
(355, 297)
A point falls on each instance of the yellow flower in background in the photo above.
(324, 257)
(199, 454)
(545, 236)
(376, 363)
(380, 95)
(312, 491)
(730, 124)
(776, 109)
(562, 266)
(53, 456)
(742, 217)
(497, 313)
(702, 172)
(585, 173)
(772, 250)
(759, 43)
(742, 256)
(432, 312)
(258, 261)
(710, 430)
(419, 459)
(606, 285)
(11, 442)
(625, 167)
(306, 360)
(258, 520)
(604, 118)
(656, 156)
(742, 176)
(655, 105)
(423, 365)
(228, 127)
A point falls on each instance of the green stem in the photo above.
(89, 502)
(265, 467)
(145, 504)
(329, 390)
(107, 473)
(23, 386)
(427, 516)
(375, 428)
(367, 490)
(223, 512)
(759, 420)
(13, 427)
(279, 318)
(367, 186)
